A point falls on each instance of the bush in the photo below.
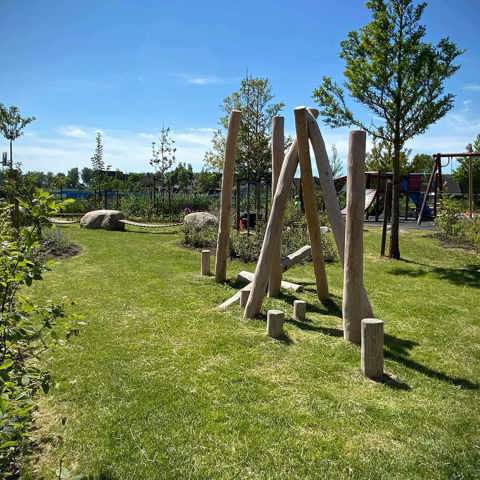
(452, 225)
(199, 237)
(449, 221)
(25, 328)
(141, 206)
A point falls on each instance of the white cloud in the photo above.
(472, 87)
(200, 80)
(123, 150)
(73, 131)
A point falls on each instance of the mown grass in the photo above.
(160, 385)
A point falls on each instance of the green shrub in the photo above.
(449, 221)
(472, 232)
(199, 237)
(25, 327)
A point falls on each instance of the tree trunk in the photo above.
(394, 233)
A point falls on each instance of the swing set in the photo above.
(435, 181)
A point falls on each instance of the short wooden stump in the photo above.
(372, 348)
(299, 310)
(244, 294)
(205, 263)
(275, 319)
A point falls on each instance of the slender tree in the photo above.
(163, 155)
(336, 162)
(12, 125)
(398, 76)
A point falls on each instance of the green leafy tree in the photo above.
(398, 76)
(254, 99)
(163, 154)
(12, 125)
(335, 162)
(421, 163)
(461, 172)
(73, 178)
(380, 157)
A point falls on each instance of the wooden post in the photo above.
(470, 187)
(237, 205)
(272, 232)
(244, 298)
(352, 308)
(427, 192)
(205, 265)
(372, 348)
(386, 215)
(278, 142)
(329, 193)
(310, 202)
(377, 203)
(275, 319)
(299, 310)
(226, 197)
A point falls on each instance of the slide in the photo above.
(370, 194)
(417, 199)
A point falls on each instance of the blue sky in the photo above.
(128, 67)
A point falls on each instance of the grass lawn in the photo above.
(160, 385)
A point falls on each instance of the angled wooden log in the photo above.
(309, 202)
(272, 232)
(326, 182)
(278, 142)
(353, 305)
(248, 277)
(298, 256)
(233, 299)
(330, 195)
(226, 197)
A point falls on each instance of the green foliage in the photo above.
(247, 247)
(452, 224)
(26, 327)
(163, 156)
(461, 172)
(196, 237)
(174, 207)
(421, 163)
(254, 99)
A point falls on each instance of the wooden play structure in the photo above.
(348, 234)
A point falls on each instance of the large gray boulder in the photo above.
(106, 219)
(200, 219)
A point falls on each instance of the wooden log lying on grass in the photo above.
(233, 299)
(245, 276)
(298, 256)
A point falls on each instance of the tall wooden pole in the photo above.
(386, 215)
(329, 193)
(272, 232)
(352, 308)
(226, 197)
(309, 201)
(278, 155)
(470, 186)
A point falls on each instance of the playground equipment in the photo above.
(348, 237)
(435, 180)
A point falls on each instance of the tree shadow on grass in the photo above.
(468, 275)
(397, 349)
(330, 306)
